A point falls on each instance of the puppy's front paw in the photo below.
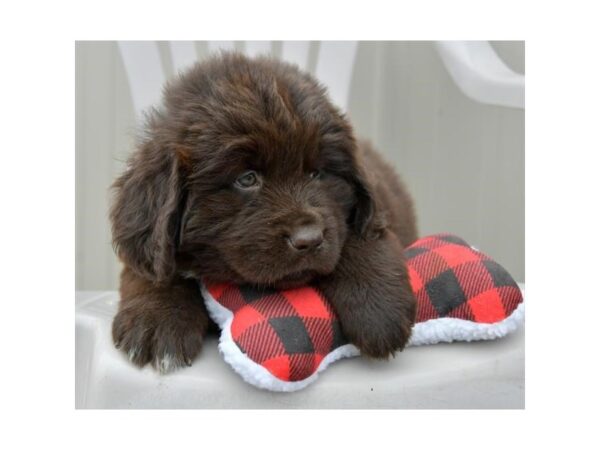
(382, 339)
(167, 337)
(380, 328)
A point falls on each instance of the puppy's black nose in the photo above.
(306, 237)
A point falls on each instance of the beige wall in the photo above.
(463, 161)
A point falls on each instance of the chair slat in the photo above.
(296, 52)
(255, 48)
(145, 73)
(183, 54)
(215, 46)
(335, 66)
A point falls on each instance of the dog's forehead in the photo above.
(262, 116)
(280, 154)
(272, 139)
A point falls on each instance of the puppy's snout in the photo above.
(306, 237)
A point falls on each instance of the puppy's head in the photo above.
(247, 174)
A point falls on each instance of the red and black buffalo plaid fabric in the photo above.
(290, 332)
(452, 279)
(287, 332)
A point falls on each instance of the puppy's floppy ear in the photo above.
(145, 212)
(345, 158)
(363, 218)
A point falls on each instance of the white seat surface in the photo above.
(486, 374)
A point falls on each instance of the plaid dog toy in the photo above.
(281, 340)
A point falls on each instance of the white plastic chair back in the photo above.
(146, 74)
(481, 75)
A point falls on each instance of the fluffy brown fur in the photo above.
(248, 174)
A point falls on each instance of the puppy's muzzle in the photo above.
(306, 238)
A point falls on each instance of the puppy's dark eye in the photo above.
(247, 180)
(314, 174)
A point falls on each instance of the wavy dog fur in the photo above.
(248, 174)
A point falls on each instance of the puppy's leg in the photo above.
(371, 294)
(161, 324)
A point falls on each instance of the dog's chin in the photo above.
(276, 279)
(287, 280)
(295, 280)
(276, 273)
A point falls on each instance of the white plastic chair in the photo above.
(146, 75)
(473, 65)
(481, 75)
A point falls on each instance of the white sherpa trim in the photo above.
(447, 329)
(252, 372)
(444, 329)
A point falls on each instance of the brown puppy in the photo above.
(248, 174)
